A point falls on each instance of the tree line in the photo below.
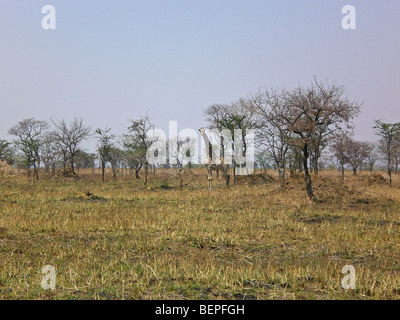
(38, 145)
(294, 128)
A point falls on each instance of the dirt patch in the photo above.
(67, 173)
(375, 179)
(255, 179)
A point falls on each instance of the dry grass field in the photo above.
(255, 240)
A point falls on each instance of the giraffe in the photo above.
(220, 165)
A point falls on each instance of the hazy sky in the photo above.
(111, 61)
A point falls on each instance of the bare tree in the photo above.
(50, 152)
(357, 153)
(139, 140)
(62, 148)
(70, 137)
(320, 108)
(272, 131)
(181, 151)
(215, 116)
(312, 114)
(339, 147)
(30, 133)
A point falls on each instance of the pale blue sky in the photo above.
(110, 61)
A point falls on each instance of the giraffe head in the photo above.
(202, 131)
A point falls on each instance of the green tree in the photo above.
(104, 148)
(29, 133)
(6, 151)
(389, 142)
(138, 141)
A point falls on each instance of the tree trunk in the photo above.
(146, 171)
(307, 176)
(342, 177)
(72, 165)
(35, 173)
(234, 172)
(180, 179)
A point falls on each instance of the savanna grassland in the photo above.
(256, 240)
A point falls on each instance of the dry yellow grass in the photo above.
(6, 170)
(122, 240)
